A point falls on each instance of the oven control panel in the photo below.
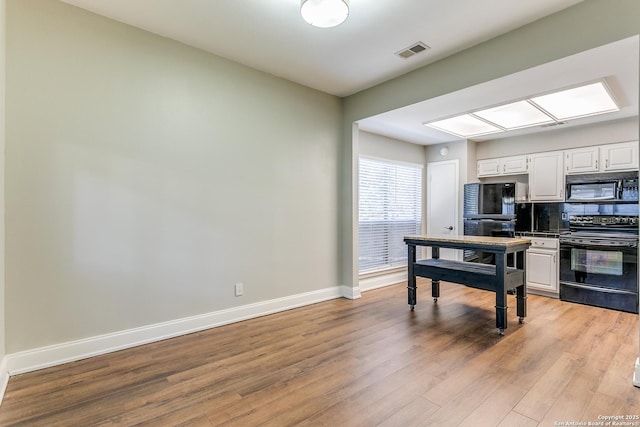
(604, 220)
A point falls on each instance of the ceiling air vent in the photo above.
(412, 50)
(548, 125)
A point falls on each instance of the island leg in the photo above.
(435, 290)
(501, 293)
(411, 279)
(521, 291)
(521, 300)
(435, 284)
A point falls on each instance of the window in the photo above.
(390, 205)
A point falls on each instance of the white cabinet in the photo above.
(581, 160)
(489, 167)
(546, 177)
(513, 165)
(542, 266)
(615, 157)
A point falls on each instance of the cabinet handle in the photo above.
(554, 259)
(596, 163)
(606, 163)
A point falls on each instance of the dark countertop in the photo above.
(547, 234)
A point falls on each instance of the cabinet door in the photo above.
(546, 177)
(542, 270)
(489, 167)
(581, 160)
(514, 165)
(620, 156)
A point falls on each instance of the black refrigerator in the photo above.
(494, 209)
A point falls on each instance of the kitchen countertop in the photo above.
(546, 234)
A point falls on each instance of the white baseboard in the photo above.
(44, 357)
(4, 377)
(350, 293)
(636, 374)
(382, 280)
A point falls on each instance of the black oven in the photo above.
(600, 269)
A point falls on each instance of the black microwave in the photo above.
(495, 200)
(602, 187)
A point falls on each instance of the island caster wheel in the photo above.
(412, 307)
(435, 300)
(500, 331)
(521, 320)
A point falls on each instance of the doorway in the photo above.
(442, 203)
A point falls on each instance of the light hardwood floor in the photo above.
(367, 362)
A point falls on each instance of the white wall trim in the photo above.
(636, 374)
(4, 377)
(44, 357)
(350, 293)
(382, 280)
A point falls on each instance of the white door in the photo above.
(442, 203)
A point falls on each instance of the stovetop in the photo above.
(611, 230)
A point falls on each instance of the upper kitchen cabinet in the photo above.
(546, 177)
(513, 165)
(615, 157)
(489, 167)
(582, 160)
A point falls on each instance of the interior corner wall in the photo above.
(2, 149)
(383, 147)
(144, 178)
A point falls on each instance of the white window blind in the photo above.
(390, 205)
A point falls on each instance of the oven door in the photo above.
(600, 275)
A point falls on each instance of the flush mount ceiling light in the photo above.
(324, 13)
(553, 108)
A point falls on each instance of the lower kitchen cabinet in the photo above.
(542, 267)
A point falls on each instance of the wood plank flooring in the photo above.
(368, 362)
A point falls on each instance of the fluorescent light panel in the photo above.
(581, 101)
(515, 115)
(465, 125)
(572, 103)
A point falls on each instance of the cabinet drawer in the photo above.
(544, 243)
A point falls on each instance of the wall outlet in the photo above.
(239, 289)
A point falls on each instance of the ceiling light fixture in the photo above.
(324, 13)
(545, 110)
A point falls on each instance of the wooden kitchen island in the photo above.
(496, 278)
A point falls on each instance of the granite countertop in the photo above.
(474, 240)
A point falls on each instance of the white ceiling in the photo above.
(271, 36)
(615, 63)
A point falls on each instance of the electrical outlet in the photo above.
(239, 289)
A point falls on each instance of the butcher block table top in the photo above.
(469, 242)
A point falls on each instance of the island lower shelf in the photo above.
(474, 275)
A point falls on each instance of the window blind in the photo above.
(390, 207)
